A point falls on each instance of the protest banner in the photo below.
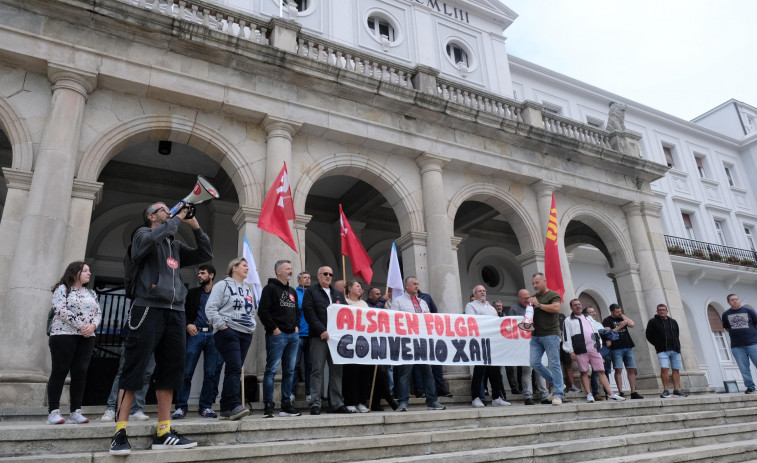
(387, 337)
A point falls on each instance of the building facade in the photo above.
(409, 113)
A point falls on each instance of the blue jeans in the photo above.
(200, 343)
(404, 372)
(742, 355)
(551, 345)
(303, 356)
(139, 396)
(280, 349)
(233, 346)
(621, 357)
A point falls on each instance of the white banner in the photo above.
(388, 337)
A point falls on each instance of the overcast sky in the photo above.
(681, 57)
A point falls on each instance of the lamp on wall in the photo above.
(730, 386)
(164, 147)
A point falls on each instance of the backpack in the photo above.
(131, 274)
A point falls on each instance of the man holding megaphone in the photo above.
(157, 320)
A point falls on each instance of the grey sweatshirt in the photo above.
(231, 304)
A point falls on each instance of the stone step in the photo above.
(495, 426)
(707, 444)
(423, 446)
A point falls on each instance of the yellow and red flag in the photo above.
(552, 270)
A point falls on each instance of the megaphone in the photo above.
(203, 191)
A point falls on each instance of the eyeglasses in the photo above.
(158, 209)
(326, 274)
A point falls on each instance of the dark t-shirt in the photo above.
(741, 325)
(625, 341)
(546, 323)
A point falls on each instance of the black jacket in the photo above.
(192, 304)
(314, 304)
(159, 281)
(278, 307)
(656, 334)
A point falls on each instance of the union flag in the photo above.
(552, 269)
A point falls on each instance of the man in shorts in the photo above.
(582, 342)
(662, 333)
(622, 349)
(157, 321)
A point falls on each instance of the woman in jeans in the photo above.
(72, 338)
(231, 311)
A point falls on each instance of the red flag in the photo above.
(552, 270)
(351, 247)
(278, 209)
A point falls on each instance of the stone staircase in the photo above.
(706, 428)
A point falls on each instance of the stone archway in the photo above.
(175, 129)
(15, 128)
(505, 203)
(612, 236)
(398, 194)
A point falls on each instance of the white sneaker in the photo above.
(140, 416)
(351, 408)
(109, 415)
(499, 402)
(362, 408)
(556, 400)
(55, 418)
(615, 396)
(77, 418)
(477, 403)
(589, 398)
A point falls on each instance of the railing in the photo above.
(114, 306)
(317, 49)
(581, 132)
(214, 19)
(710, 251)
(478, 100)
(352, 60)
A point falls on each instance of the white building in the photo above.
(409, 113)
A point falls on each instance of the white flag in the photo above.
(394, 276)
(253, 279)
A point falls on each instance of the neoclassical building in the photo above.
(409, 113)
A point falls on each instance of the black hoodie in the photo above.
(278, 307)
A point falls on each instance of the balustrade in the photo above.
(572, 129)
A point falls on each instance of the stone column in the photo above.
(18, 183)
(300, 228)
(544, 192)
(84, 197)
(414, 258)
(657, 284)
(531, 262)
(278, 151)
(38, 259)
(443, 274)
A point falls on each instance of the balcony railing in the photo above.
(709, 251)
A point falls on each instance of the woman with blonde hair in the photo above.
(231, 311)
(72, 338)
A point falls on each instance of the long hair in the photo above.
(70, 275)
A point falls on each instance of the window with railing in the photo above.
(749, 237)
(714, 252)
(688, 225)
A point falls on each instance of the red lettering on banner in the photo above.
(448, 326)
(359, 321)
(460, 327)
(412, 323)
(383, 322)
(372, 325)
(344, 319)
(473, 327)
(398, 327)
(509, 330)
(429, 320)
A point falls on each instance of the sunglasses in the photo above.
(157, 209)
(327, 274)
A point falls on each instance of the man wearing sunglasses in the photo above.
(157, 320)
(317, 298)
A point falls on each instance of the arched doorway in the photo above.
(138, 175)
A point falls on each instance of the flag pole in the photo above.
(299, 249)
(344, 270)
